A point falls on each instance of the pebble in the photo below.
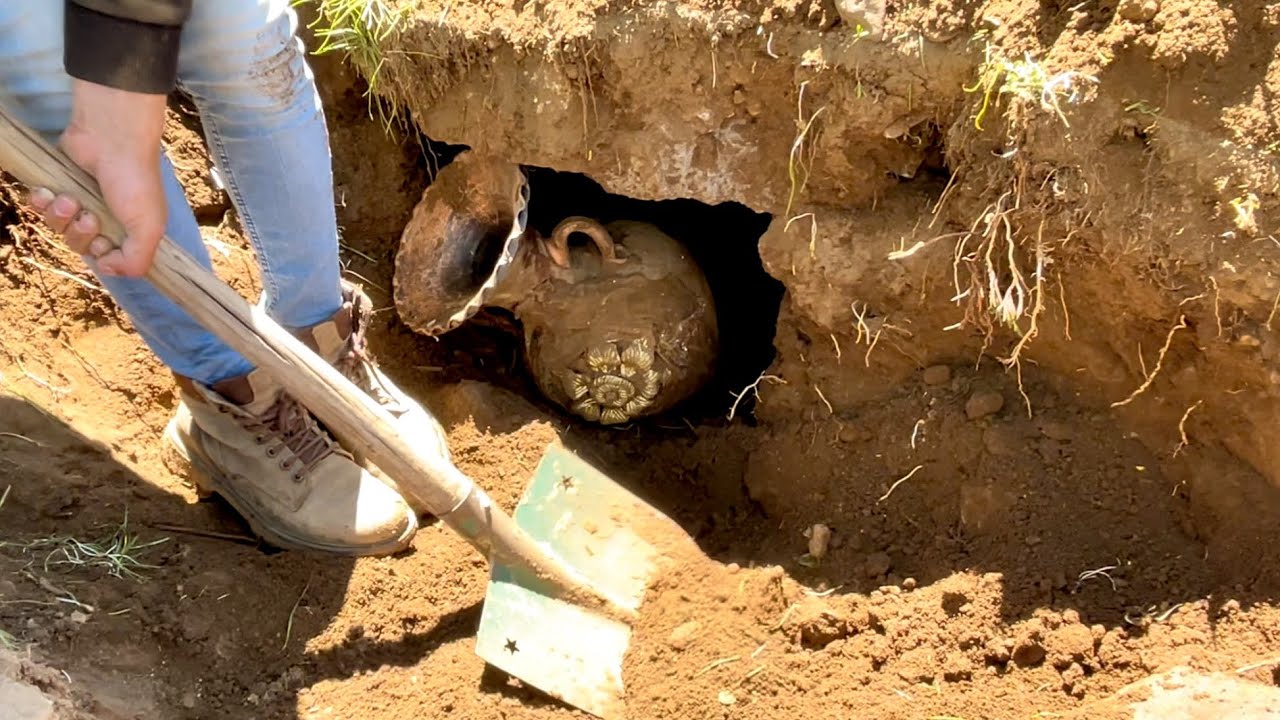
(1033, 540)
(983, 403)
(878, 564)
(1139, 10)
(819, 541)
(868, 14)
(733, 568)
(1029, 653)
(937, 375)
(727, 698)
(909, 584)
(684, 635)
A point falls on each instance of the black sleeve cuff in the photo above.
(123, 54)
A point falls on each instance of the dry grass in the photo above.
(798, 165)
(118, 551)
(1026, 83)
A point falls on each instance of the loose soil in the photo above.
(1004, 542)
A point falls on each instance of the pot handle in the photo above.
(557, 246)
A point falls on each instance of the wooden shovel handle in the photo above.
(438, 484)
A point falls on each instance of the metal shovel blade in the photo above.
(569, 652)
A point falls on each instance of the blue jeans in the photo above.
(244, 66)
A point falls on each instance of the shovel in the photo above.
(567, 572)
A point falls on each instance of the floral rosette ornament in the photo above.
(620, 386)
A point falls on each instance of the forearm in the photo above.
(125, 44)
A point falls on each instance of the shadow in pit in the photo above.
(203, 626)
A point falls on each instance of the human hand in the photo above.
(116, 137)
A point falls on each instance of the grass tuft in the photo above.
(118, 552)
(1026, 80)
(359, 30)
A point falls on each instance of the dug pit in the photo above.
(1013, 350)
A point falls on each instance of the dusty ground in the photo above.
(986, 561)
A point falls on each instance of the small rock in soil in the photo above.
(682, 636)
(868, 14)
(1138, 10)
(937, 375)
(983, 403)
(1028, 653)
(878, 564)
(819, 541)
(917, 665)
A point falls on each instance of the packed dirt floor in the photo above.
(1027, 514)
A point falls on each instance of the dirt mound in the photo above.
(1084, 191)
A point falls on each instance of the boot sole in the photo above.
(208, 481)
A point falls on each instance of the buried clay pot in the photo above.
(620, 327)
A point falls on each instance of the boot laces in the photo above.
(288, 427)
(356, 363)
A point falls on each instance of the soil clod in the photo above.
(685, 634)
(937, 375)
(984, 403)
(877, 565)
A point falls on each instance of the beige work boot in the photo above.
(262, 451)
(341, 341)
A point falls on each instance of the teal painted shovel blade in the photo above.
(570, 652)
